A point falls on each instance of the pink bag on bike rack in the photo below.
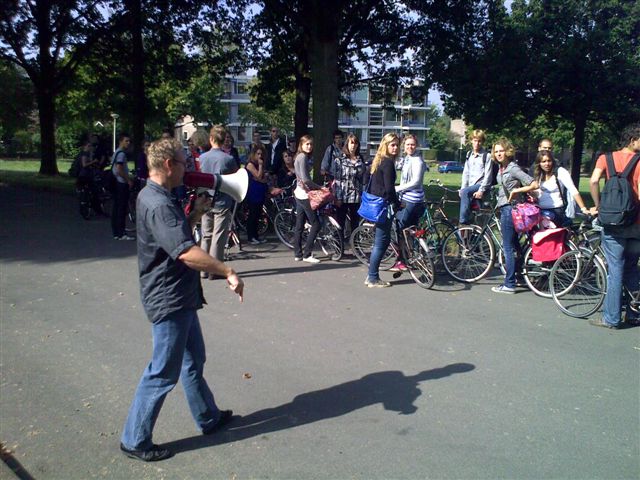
(548, 245)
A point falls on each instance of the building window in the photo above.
(241, 88)
(375, 135)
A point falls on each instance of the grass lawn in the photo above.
(24, 173)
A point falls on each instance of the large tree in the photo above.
(48, 40)
(326, 48)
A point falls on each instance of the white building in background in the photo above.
(369, 121)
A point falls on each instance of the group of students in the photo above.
(549, 184)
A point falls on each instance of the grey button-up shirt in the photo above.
(166, 284)
(511, 176)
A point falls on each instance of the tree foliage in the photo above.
(37, 35)
(553, 61)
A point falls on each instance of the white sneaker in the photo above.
(126, 237)
(311, 259)
(297, 259)
(255, 241)
(503, 289)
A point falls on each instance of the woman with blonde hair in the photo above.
(510, 179)
(381, 182)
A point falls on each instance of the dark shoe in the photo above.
(225, 417)
(154, 454)
(600, 323)
(632, 322)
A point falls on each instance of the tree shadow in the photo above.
(395, 391)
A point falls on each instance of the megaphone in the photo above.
(234, 184)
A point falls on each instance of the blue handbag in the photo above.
(372, 207)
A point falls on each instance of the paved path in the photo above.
(331, 379)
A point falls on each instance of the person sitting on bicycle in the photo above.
(89, 176)
(383, 179)
(347, 171)
(554, 189)
(510, 176)
(304, 212)
(256, 193)
(476, 176)
(410, 191)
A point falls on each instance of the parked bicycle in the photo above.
(283, 197)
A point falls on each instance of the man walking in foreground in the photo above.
(621, 244)
(169, 261)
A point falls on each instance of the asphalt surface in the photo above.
(329, 379)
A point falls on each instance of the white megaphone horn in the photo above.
(234, 184)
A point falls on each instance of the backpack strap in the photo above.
(563, 191)
(611, 167)
(630, 166)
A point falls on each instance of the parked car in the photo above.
(448, 167)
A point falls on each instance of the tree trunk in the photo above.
(323, 63)
(137, 60)
(47, 117)
(303, 97)
(579, 126)
(44, 80)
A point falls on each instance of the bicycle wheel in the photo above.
(536, 274)
(468, 254)
(578, 283)
(285, 224)
(330, 239)
(421, 266)
(361, 241)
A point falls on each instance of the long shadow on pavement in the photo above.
(395, 391)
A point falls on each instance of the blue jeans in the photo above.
(380, 243)
(622, 268)
(466, 196)
(409, 215)
(178, 352)
(510, 245)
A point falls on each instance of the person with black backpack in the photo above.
(618, 209)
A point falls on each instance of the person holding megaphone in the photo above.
(169, 261)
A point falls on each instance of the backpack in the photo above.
(109, 177)
(618, 202)
(76, 166)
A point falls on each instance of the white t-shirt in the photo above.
(549, 195)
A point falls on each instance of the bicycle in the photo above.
(431, 230)
(273, 204)
(418, 250)
(92, 193)
(470, 252)
(578, 278)
(329, 237)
